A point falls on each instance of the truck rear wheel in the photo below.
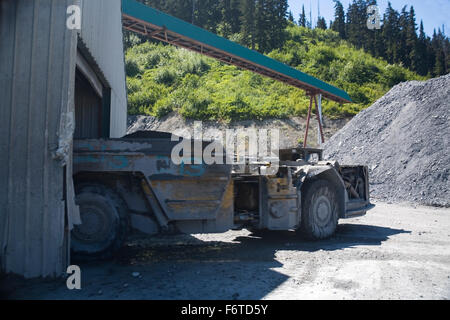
(320, 209)
(104, 223)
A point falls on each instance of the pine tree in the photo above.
(422, 66)
(235, 21)
(291, 17)
(262, 25)
(207, 14)
(391, 33)
(339, 19)
(179, 9)
(230, 22)
(276, 12)
(411, 40)
(356, 28)
(351, 26)
(437, 43)
(248, 26)
(403, 54)
(321, 23)
(431, 54)
(372, 41)
(302, 19)
(447, 54)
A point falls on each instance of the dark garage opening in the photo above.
(88, 110)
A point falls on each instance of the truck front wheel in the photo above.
(320, 209)
(104, 222)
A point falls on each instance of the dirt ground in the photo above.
(292, 130)
(394, 252)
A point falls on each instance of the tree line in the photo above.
(400, 40)
(261, 24)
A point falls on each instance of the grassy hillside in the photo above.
(162, 79)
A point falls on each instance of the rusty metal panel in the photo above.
(191, 198)
(282, 202)
(184, 192)
(224, 220)
(37, 65)
(101, 32)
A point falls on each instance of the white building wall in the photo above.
(101, 31)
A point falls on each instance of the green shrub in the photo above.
(132, 68)
(165, 76)
(133, 85)
(163, 107)
(152, 59)
(359, 72)
(393, 75)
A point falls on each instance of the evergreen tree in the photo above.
(356, 28)
(231, 14)
(422, 66)
(437, 43)
(262, 24)
(402, 50)
(276, 15)
(339, 19)
(179, 9)
(447, 54)
(391, 33)
(302, 19)
(207, 14)
(321, 23)
(248, 26)
(235, 13)
(431, 54)
(412, 40)
(291, 17)
(373, 42)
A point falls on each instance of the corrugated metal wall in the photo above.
(37, 78)
(37, 71)
(101, 31)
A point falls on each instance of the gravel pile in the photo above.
(404, 140)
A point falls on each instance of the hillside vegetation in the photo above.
(163, 78)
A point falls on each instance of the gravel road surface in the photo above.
(394, 252)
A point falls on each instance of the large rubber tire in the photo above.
(104, 223)
(320, 210)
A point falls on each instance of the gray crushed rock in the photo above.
(404, 140)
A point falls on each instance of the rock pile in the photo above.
(404, 139)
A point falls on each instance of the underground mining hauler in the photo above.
(132, 183)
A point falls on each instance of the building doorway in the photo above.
(92, 107)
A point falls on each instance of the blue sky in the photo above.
(434, 13)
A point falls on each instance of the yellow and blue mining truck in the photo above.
(131, 183)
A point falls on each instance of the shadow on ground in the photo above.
(257, 246)
(185, 267)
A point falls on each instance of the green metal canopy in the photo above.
(147, 21)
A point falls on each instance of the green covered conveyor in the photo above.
(147, 21)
